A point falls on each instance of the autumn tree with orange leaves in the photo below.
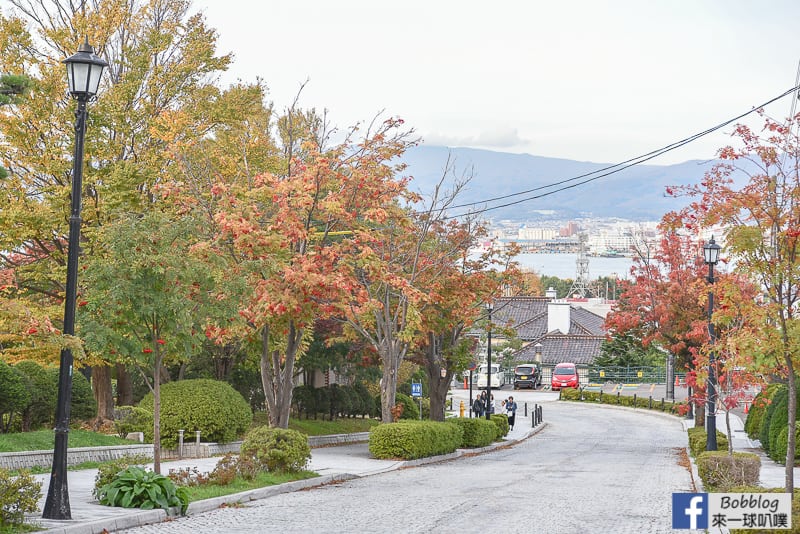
(456, 284)
(290, 234)
(761, 222)
(660, 305)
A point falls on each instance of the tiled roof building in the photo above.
(565, 331)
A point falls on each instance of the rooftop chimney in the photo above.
(558, 317)
(550, 293)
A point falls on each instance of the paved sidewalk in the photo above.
(334, 463)
(773, 474)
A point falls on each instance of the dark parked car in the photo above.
(528, 375)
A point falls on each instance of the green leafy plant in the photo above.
(276, 449)
(136, 487)
(108, 470)
(18, 495)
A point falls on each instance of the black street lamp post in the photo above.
(489, 361)
(84, 70)
(711, 253)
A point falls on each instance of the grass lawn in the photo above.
(16, 529)
(318, 427)
(43, 440)
(198, 493)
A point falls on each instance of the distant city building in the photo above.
(536, 234)
(569, 230)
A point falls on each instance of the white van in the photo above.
(498, 376)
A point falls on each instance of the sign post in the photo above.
(416, 391)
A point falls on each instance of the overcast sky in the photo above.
(590, 80)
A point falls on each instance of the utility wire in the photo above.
(611, 169)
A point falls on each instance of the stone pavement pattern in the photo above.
(589, 470)
(574, 463)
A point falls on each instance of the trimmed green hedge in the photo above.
(214, 408)
(778, 398)
(414, 439)
(782, 444)
(759, 489)
(698, 438)
(28, 396)
(758, 410)
(500, 421)
(477, 431)
(570, 394)
(720, 472)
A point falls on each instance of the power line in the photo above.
(611, 169)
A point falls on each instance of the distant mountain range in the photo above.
(636, 193)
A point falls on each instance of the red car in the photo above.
(565, 375)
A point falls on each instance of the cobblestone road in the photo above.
(592, 470)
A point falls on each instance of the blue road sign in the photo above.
(416, 389)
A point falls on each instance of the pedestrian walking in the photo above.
(511, 411)
(477, 406)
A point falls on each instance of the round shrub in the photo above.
(366, 404)
(14, 395)
(778, 421)
(214, 408)
(763, 434)
(758, 410)
(410, 408)
(83, 406)
(18, 496)
(43, 391)
(134, 419)
(278, 450)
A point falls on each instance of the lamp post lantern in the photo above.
(711, 256)
(84, 70)
(489, 360)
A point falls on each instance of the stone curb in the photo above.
(149, 517)
(113, 524)
(637, 409)
(207, 505)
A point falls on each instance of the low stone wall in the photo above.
(24, 460)
(75, 456)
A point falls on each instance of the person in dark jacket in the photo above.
(477, 406)
(511, 411)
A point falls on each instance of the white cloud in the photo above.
(497, 138)
(577, 79)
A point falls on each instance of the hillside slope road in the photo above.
(593, 469)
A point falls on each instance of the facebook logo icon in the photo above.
(690, 510)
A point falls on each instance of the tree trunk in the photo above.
(700, 415)
(791, 444)
(391, 353)
(101, 386)
(277, 377)
(729, 431)
(157, 412)
(438, 392)
(124, 386)
(437, 384)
